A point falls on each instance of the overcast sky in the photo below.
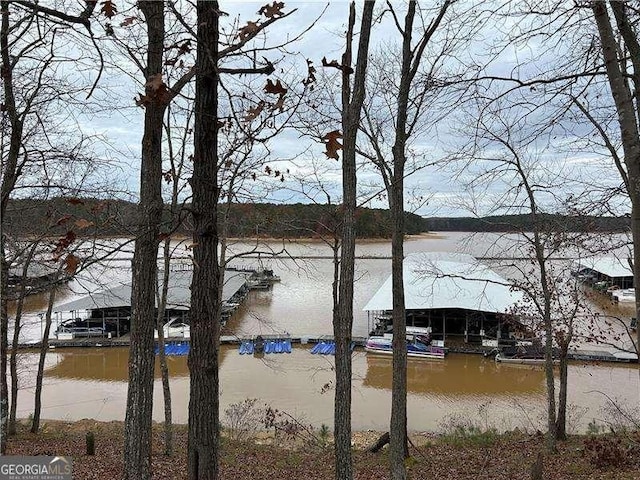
(560, 151)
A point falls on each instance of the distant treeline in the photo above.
(520, 223)
(89, 216)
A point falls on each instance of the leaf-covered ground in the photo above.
(474, 457)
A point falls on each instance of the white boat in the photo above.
(624, 295)
(175, 328)
(417, 345)
(522, 360)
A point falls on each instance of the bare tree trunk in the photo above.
(561, 420)
(9, 177)
(17, 327)
(204, 403)
(164, 369)
(4, 324)
(137, 432)
(398, 442)
(548, 370)
(398, 430)
(624, 103)
(44, 346)
(343, 320)
(13, 359)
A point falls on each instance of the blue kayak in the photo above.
(249, 350)
(287, 345)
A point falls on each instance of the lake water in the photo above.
(92, 383)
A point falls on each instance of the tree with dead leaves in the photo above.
(207, 282)
(29, 41)
(352, 95)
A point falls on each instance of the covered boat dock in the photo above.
(612, 271)
(108, 313)
(455, 296)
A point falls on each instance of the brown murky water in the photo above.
(92, 383)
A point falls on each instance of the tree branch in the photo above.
(82, 19)
(268, 69)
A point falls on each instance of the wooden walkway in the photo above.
(575, 355)
(224, 340)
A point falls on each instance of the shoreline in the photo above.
(460, 452)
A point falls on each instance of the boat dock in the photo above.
(224, 340)
(609, 356)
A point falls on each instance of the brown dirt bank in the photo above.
(495, 457)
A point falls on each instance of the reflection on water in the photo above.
(108, 364)
(458, 375)
(82, 383)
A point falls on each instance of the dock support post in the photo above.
(466, 327)
(444, 332)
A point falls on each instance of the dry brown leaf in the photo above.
(253, 113)
(275, 88)
(273, 10)
(71, 263)
(128, 21)
(109, 9)
(279, 105)
(332, 144)
(249, 29)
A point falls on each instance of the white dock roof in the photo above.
(448, 280)
(610, 266)
(179, 294)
